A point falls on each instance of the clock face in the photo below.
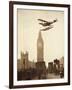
(40, 44)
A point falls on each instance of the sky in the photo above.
(28, 30)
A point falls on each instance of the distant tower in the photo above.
(24, 60)
(40, 48)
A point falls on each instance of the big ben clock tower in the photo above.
(40, 48)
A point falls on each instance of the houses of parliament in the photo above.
(25, 64)
(28, 70)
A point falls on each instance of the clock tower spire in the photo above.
(40, 48)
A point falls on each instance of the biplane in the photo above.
(46, 24)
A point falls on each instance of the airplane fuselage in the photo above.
(45, 23)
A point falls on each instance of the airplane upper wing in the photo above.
(42, 20)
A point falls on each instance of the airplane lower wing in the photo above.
(48, 28)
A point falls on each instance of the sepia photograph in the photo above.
(41, 52)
